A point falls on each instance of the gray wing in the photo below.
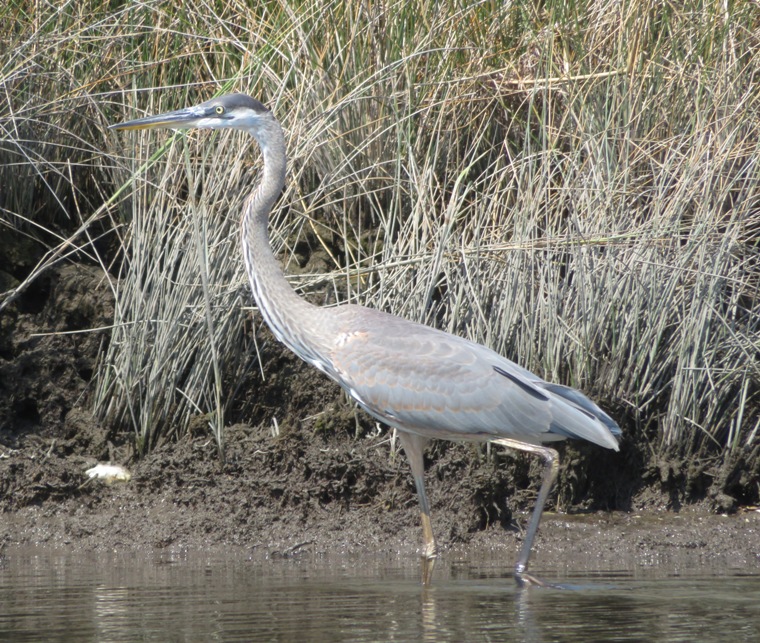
(426, 381)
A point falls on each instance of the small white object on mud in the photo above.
(109, 473)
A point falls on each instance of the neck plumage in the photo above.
(294, 321)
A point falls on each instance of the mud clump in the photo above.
(48, 353)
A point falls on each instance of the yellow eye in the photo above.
(219, 109)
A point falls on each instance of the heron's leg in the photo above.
(551, 467)
(414, 446)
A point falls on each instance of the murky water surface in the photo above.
(59, 596)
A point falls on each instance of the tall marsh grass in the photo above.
(574, 185)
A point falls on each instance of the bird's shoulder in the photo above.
(383, 343)
(362, 327)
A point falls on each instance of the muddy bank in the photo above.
(328, 481)
(360, 500)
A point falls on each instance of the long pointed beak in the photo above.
(178, 119)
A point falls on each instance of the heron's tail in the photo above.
(581, 418)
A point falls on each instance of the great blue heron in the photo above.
(424, 382)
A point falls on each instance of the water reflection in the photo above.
(59, 596)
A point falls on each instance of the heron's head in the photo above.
(233, 111)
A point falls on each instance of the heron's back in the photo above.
(429, 382)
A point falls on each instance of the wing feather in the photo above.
(429, 382)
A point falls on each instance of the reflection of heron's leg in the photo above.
(551, 467)
(414, 446)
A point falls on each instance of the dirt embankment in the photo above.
(328, 485)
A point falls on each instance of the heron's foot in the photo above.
(428, 564)
(524, 579)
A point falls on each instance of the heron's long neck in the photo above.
(294, 321)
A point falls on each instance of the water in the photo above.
(58, 596)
